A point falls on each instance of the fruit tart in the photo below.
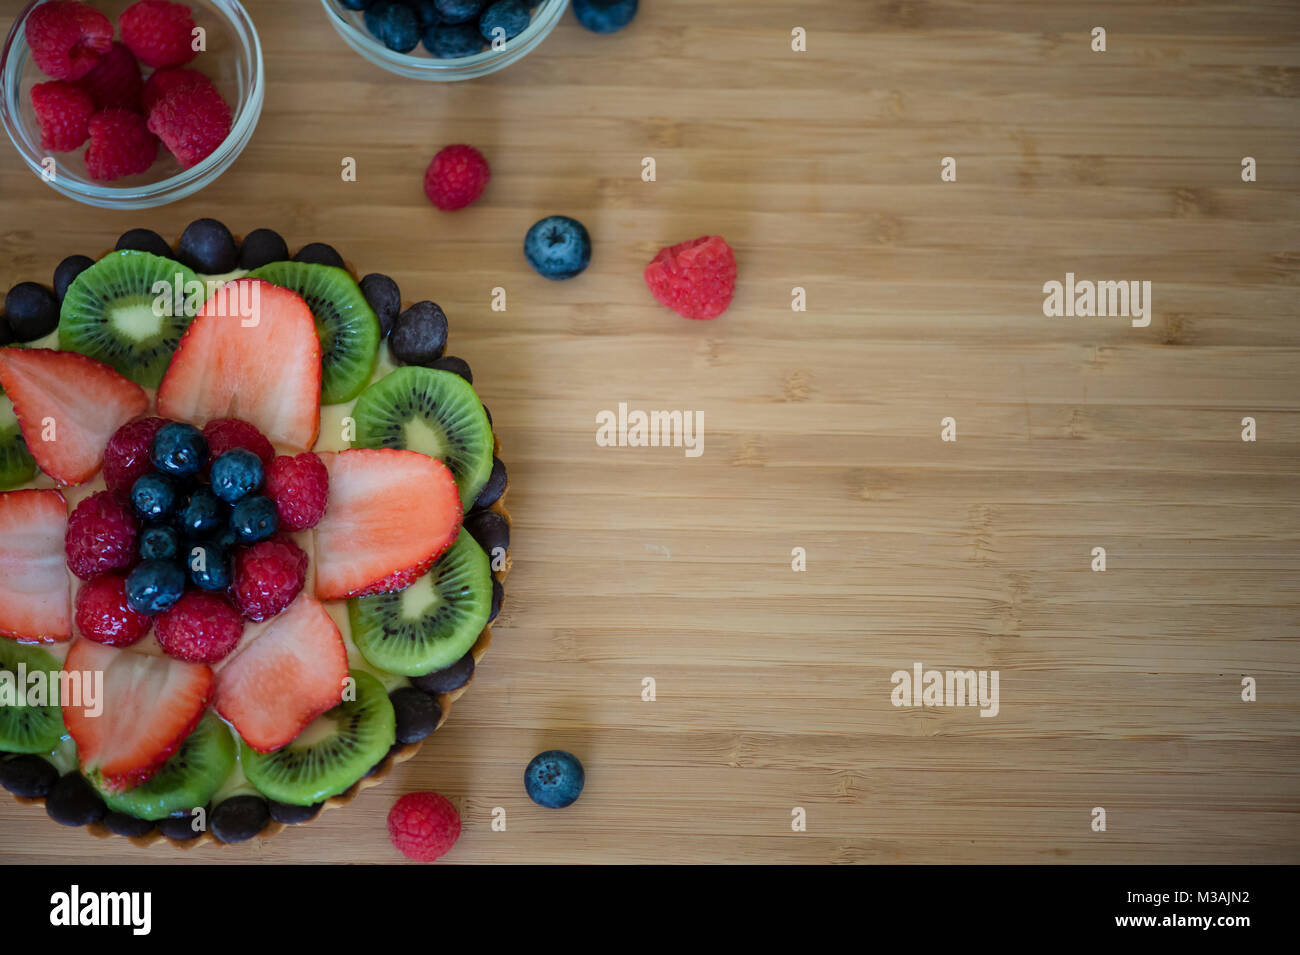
(252, 535)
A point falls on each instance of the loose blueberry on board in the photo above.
(72, 802)
(179, 450)
(144, 240)
(419, 335)
(154, 586)
(153, 497)
(558, 247)
(318, 253)
(32, 311)
(236, 474)
(207, 246)
(459, 11)
(511, 17)
(604, 16)
(28, 776)
(67, 271)
(159, 542)
(394, 25)
(262, 247)
(254, 519)
(448, 678)
(451, 41)
(201, 514)
(417, 714)
(239, 818)
(208, 567)
(384, 298)
(554, 779)
(457, 366)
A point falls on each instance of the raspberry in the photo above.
(456, 177)
(267, 577)
(223, 434)
(104, 616)
(63, 112)
(67, 38)
(191, 121)
(696, 279)
(101, 536)
(127, 456)
(300, 488)
(200, 628)
(159, 33)
(162, 83)
(114, 82)
(423, 826)
(120, 145)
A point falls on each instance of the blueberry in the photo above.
(226, 539)
(509, 16)
(179, 827)
(202, 514)
(262, 247)
(239, 818)
(459, 11)
(490, 530)
(498, 598)
(207, 246)
(554, 779)
(254, 519)
(208, 567)
(448, 678)
(72, 802)
(32, 311)
(495, 486)
(318, 253)
(604, 16)
(291, 815)
(356, 4)
(394, 25)
(28, 776)
(153, 496)
(154, 586)
(179, 450)
(384, 298)
(458, 366)
(236, 474)
(419, 335)
(145, 240)
(451, 41)
(120, 824)
(417, 714)
(159, 542)
(67, 273)
(426, 12)
(558, 247)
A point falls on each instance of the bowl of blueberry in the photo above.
(444, 40)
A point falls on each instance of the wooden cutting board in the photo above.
(1119, 689)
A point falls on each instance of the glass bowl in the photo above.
(419, 65)
(233, 60)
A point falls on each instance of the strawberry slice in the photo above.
(251, 353)
(68, 406)
(35, 601)
(390, 513)
(289, 674)
(147, 707)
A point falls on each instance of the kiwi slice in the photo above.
(28, 729)
(333, 752)
(432, 623)
(17, 466)
(434, 412)
(188, 779)
(118, 312)
(345, 322)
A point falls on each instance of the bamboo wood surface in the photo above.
(1119, 689)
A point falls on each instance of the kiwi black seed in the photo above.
(345, 323)
(144, 240)
(448, 678)
(17, 466)
(36, 726)
(332, 753)
(188, 779)
(432, 623)
(115, 312)
(434, 412)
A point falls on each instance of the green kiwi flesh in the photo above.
(28, 728)
(17, 466)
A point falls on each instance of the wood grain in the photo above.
(1118, 689)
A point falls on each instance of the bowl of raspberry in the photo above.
(444, 40)
(128, 104)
